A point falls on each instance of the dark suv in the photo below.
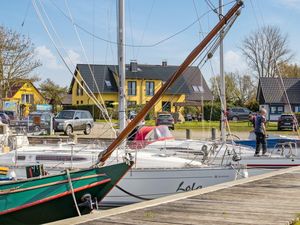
(71, 120)
(238, 113)
(165, 119)
(287, 121)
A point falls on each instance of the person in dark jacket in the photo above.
(260, 132)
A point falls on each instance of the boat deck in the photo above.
(272, 198)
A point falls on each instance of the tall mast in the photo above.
(222, 78)
(121, 63)
(149, 105)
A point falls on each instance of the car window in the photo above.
(78, 115)
(65, 115)
(165, 116)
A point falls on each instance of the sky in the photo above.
(147, 23)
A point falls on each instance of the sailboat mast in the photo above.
(150, 104)
(121, 63)
(222, 78)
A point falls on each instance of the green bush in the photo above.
(212, 111)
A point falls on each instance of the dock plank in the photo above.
(268, 199)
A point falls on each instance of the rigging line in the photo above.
(86, 58)
(212, 7)
(95, 99)
(130, 26)
(37, 10)
(137, 46)
(26, 13)
(146, 26)
(212, 47)
(254, 12)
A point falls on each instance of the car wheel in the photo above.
(235, 118)
(87, 129)
(69, 130)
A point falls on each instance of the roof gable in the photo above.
(272, 90)
(102, 73)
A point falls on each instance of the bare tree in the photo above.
(289, 70)
(17, 60)
(264, 49)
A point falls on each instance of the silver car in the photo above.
(73, 120)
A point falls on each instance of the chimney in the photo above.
(164, 63)
(133, 66)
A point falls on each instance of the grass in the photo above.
(239, 126)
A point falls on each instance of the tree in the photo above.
(53, 92)
(264, 49)
(239, 88)
(17, 60)
(289, 70)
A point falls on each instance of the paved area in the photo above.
(267, 199)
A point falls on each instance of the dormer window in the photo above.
(108, 83)
(198, 89)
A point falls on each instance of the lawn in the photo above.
(243, 126)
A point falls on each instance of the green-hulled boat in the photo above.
(49, 198)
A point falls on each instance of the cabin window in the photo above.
(131, 88)
(276, 109)
(149, 88)
(27, 98)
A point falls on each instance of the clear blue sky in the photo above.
(147, 22)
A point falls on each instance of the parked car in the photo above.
(287, 121)
(165, 119)
(12, 114)
(71, 120)
(4, 118)
(238, 113)
(188, 117)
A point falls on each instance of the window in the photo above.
(81, 89)
(81, 102)
(27, 98)
(108, 83)
(109, 104)
(77, 102)
(198, 89)
(149, 88)
(297, 108)
(131, 88)
(276, 109)
(166, 106)
(131, 104)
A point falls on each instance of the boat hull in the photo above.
(146, 184)
(46, 199)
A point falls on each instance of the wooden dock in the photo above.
(272, 198)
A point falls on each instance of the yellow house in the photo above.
(26, 95)
(142, 81)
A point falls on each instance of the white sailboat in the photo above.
(155, 174)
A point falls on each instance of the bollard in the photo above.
(188, 134)
(213, 133)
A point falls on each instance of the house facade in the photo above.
(23, 96)
(142, 82)
(279, 96)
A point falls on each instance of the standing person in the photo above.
(260, 132)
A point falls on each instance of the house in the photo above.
(142, 81)
(278, 96)
(24, 96)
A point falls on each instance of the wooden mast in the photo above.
(170, 81)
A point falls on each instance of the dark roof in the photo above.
(67, 100)
(192, 76)
(14, 89)
(271, 90)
